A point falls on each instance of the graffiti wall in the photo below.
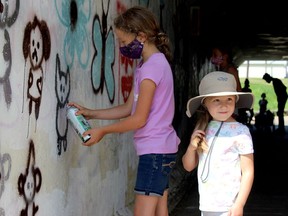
(53, 52)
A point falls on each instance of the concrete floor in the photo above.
(269, 195)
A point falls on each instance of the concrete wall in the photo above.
(48, 57)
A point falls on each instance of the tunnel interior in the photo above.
(254, 31)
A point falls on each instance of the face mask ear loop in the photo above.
(206, 167)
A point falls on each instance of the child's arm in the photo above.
(247, 168)
(190, 158)
(112, 113)
(133, 122)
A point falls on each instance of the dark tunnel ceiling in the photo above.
(256, 31)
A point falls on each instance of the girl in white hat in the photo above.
(220, 147)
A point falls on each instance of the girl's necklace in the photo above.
(206, 167)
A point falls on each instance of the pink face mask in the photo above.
(217, 60)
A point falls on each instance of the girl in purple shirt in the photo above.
(148, 112)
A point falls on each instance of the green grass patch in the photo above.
(258, 86)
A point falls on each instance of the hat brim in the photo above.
(246, 100)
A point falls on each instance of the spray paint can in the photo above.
(79, 123)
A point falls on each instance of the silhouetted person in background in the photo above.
(264, 120)
(280, 91)
(246, 87)
(263, 103)
(222, 59)
(246, 114)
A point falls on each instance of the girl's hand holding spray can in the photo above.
(79, 123)
(78, 118)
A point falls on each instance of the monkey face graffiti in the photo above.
(29, 188)
(29, 183)
(36, 48)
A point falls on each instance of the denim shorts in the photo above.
(153, 173)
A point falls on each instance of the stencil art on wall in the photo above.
(5, 168)
(36, 49)
(5, 68)
(62, 89)
(7, 20)
(126, 80)
(29, 183)
(74, 15)
(103, 59)
(144, 2)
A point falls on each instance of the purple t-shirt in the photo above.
(158, 135)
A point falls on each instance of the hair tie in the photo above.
(160, 34)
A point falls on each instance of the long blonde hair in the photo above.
(203, 118)
(139, 19)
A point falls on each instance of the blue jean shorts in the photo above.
(153, 173)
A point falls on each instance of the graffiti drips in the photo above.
(103, 59)
(62, 89)
(36, 48)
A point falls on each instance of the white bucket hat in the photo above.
(219, 83)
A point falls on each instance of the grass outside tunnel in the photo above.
(259, 86)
